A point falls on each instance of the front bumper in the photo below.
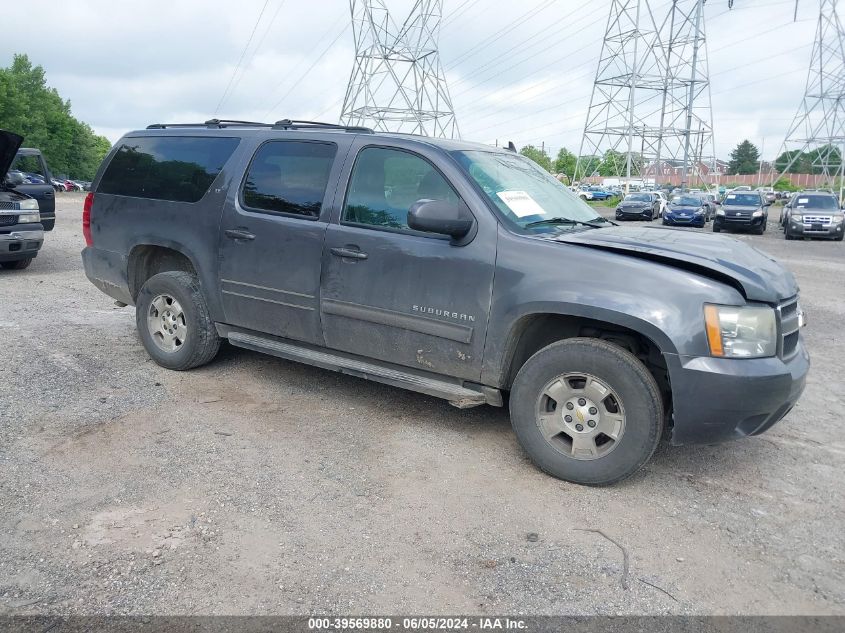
(690, 220)
(728, 222)
(721, 399)
(634, 214)
(828, 231)
(20, 242)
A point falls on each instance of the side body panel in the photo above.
(661, 302)
(271, 283)
(416, 300)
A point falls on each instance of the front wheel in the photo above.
(586, 411)
(716, 229)
(19, 264)
(173, 321)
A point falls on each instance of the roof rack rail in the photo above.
(293, 124)
(213, 123)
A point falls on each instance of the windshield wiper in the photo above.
(592, 225)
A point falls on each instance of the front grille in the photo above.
(817, 219)
(788, 324)
(8, 220)
(7, 205)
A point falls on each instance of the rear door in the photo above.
(398, 295)
(32, 163)
(272, 233)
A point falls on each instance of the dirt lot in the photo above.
(256, 485)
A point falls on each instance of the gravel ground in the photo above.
(255, 485)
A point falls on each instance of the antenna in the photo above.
(397, 83)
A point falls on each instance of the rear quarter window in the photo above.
(175, 168)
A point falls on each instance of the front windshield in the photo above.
(638, 197)
(524, 193)
(686, 201)
(827, 203)
(743, 199)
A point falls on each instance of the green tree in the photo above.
(745, 159)
(35, 111)
(538, 156)
(565, 162)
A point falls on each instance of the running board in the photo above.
(457, 395)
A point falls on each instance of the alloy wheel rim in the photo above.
(580, 416)
(166, 323)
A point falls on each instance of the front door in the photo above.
(398, 295)
(272, 234)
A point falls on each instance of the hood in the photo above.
(755, 274)
(9, 144)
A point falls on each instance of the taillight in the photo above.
(86, 218)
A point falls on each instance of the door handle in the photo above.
(348, 252)
(239, 234)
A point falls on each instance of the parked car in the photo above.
(599, 193)
(32, 161)
(813, 214)
(745, 210)
(711, 204)
(664, 202)
(686, 210)
(768, 194)
(638, 206)
(21, 233)
(70, 185)
(459, 270)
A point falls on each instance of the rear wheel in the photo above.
(586, 411)
(173, 321)
(19, 264)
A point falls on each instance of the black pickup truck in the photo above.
(31, 162)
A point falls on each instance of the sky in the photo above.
(517, 71)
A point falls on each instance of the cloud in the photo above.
(516, 71)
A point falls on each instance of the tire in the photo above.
(195, 340)
(839, 239)
(716, 229)
(626, 381)
(760, 229)
(49, 225)
(787, 235)
(19, 264)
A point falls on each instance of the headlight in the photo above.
(28, 205)
(700, 212)
(740, 332)
(838, 217)
(29, 218)
(720, 212)
(796, 217)
(757, 213)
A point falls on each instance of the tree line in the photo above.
(745, 159)
(29, 107)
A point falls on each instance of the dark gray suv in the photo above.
(454, 269)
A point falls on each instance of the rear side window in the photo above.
(176, 168)
(289, 177)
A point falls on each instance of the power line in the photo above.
(307, 70)
(241, 58)
(258, 46)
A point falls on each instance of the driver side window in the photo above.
(384, 185)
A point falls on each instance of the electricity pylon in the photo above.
(818, 131)
(651, 95)
(397, 83)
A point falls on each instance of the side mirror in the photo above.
(441, 217)
(15, 178)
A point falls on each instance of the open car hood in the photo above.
(9, 144)
(755, 274)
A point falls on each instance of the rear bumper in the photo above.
(721, 399)
(21, 242)
(107, 270)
